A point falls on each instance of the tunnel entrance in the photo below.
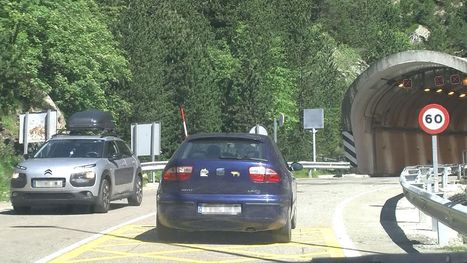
(380, 112)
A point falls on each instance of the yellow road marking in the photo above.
(321, 241)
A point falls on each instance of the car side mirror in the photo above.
(115, 157)
(296, 166)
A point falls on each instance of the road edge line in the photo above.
(91, 238)
(338, 224)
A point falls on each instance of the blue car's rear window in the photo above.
(212, 149)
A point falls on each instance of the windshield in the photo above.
(71, 149)
(224, 149)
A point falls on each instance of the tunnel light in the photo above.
(462, 95)
(451, 93)
(439, 90)
(464, 81)
(427, 90)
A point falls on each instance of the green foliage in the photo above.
(172, 63)
(232, 64)
(373, 27)
(63, 49)
(8, 160)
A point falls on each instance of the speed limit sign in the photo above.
(433, 119)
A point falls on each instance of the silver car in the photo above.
(89, 170)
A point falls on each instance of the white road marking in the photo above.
(91, 238)
(339, 227)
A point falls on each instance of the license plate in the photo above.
(219, 209)
(47, 183)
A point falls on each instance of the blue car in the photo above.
(228, 182)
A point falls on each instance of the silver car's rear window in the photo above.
(71, 149)
(211, 149)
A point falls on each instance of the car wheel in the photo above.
(103, 201)
(21, 210)
(284, 234)
(294, 219)
(163, 232)
(137, 196)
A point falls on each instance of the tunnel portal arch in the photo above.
(380, 110)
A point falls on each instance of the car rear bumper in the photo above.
(51, 198)
(258, 213)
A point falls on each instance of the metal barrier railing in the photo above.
(416, 182)
(159, 165)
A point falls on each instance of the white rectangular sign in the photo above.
(313, 119)
(37, 125)
(141, 139)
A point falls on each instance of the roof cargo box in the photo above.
(90, 120)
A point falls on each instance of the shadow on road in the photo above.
(60, 210)
(388, 221)
(398, 258)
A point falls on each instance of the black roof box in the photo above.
(90, 120)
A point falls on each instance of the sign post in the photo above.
(313, 119)
(281, 122)
(434, 119)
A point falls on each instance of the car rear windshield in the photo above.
(71, 149)
(211, 149)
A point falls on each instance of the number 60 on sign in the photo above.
(433, 119)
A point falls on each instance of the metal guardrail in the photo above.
(153, 166)
(414, 180)
(325, 165)
(159, 165)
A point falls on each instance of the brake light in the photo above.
(260, 174)
(178, 173)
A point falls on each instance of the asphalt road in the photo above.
(337, 217)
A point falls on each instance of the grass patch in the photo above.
(5, 173)
(456, 249)
(147, 177)
(10, 123)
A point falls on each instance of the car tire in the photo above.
(163, 232)
(294, 219)
(103, 200)
(284, 234)
(137, 196)
(21, 210)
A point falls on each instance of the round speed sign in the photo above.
(433, 119)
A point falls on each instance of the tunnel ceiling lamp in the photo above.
(462, 95)
(451, 93)
(427, 90)
(439, 90)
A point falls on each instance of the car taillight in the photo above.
(260, 174)
(178, 173)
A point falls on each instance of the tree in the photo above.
(65, 50)
(168, 43)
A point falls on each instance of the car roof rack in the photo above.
(90, 122)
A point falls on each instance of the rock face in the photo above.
(48, 103)
(421, 34)
(9, 133)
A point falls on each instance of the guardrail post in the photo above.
(445, 234)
